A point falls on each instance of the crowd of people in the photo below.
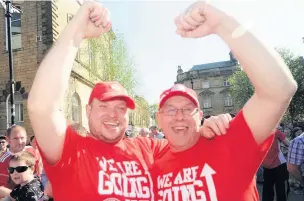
(282, 168)
(215, 161)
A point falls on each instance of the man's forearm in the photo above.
(54, 71)
(263, 65)
(297, 174)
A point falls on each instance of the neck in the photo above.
(176, 149)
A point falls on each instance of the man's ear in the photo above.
(88, 110)
(158, 119)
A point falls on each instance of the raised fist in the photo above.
(92, 20)
(199, 20)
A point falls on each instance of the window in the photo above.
(226, 83)
(206, 84)
(207, 103)
(76, 108)
(196, 84)
(16, 31)
(19, 111)
(228, 101)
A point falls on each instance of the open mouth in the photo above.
(180, 129)
(16, 179)
(111, 125)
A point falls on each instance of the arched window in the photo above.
(19, 112)
(76, 108)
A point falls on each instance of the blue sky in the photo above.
(149, 32)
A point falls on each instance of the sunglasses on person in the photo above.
(19, 169)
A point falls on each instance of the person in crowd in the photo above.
(21, 169)
(275, 171)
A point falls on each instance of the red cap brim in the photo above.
(178, 93)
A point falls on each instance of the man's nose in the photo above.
(113, 113)
(179, 115)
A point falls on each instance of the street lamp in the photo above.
(9, 9)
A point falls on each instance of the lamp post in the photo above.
(8, 15)
(9, 9)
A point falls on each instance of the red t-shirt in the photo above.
(4, 161)
(222, 169)
(91, 170)
(275, 157)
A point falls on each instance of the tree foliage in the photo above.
(152, 111)
(242, 88)
(109, 59)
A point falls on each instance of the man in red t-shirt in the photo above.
(98, 165)
(225, 167)
(275, 170)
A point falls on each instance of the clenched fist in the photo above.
(199, 20)
(215, 126)
(92, 20)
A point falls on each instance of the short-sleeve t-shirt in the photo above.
(275, 157)
(4, 161)
(90, 169)
(221, 169)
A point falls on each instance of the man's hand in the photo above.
(199, 20)
(92, 20)
(215, 126)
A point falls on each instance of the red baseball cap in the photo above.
(179, 90)
(105, 91)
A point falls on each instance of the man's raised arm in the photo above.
(271, 78)
(47, 119)
(273, 83)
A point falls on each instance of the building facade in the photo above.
(210, 82)
(34, 31)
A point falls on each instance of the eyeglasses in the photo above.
(2, 142)
(19, 169)
(185, 111)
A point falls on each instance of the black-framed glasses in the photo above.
(19, 169)
(174, 111)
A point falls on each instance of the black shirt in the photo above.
(32, 191)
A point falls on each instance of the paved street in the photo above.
(292, 196)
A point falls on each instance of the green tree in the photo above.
(152, 111)
(143, 110)
(109, 59)
(242, 89)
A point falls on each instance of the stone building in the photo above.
(210, 81)
(34, 32)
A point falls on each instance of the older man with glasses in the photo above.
(225, 167)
